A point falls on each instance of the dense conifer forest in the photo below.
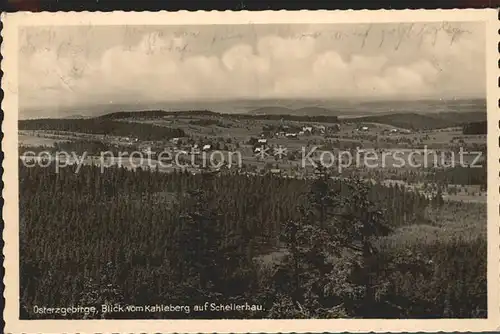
(298, 248)
(475, 128)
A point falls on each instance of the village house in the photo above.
(321, 129)
(335, 127)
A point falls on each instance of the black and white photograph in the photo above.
(246, 171)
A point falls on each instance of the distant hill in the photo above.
(156, 113)
(406, 120)
(462, 117)
(305, 111)
(132, 114)
(276, 115)
(315, 111)
(271, 111)
(427, 121)
(76, 117)
(475, 128)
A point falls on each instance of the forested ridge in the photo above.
(100, 126)
(145, 237)
(426, 121)
(475, 128)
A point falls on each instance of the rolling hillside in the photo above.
(315, 111)
(305, 111)
(271, 111)
(155, 114)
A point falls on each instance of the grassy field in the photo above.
(40, 140)
(453, 221)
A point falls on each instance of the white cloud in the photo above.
(275, 67)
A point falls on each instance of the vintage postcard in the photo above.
(305, 171)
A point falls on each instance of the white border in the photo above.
(10, 178)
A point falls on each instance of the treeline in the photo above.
(104, 127)
(458, 175)
(476, 128)
(145, 237)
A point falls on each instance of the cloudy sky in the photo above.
(63, 68)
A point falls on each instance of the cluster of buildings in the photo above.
(395, 131)
(149, 147)
(288, 132)
(128, 140)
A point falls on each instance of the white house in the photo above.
(307, 128)
(262, 141)
(206, 147)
